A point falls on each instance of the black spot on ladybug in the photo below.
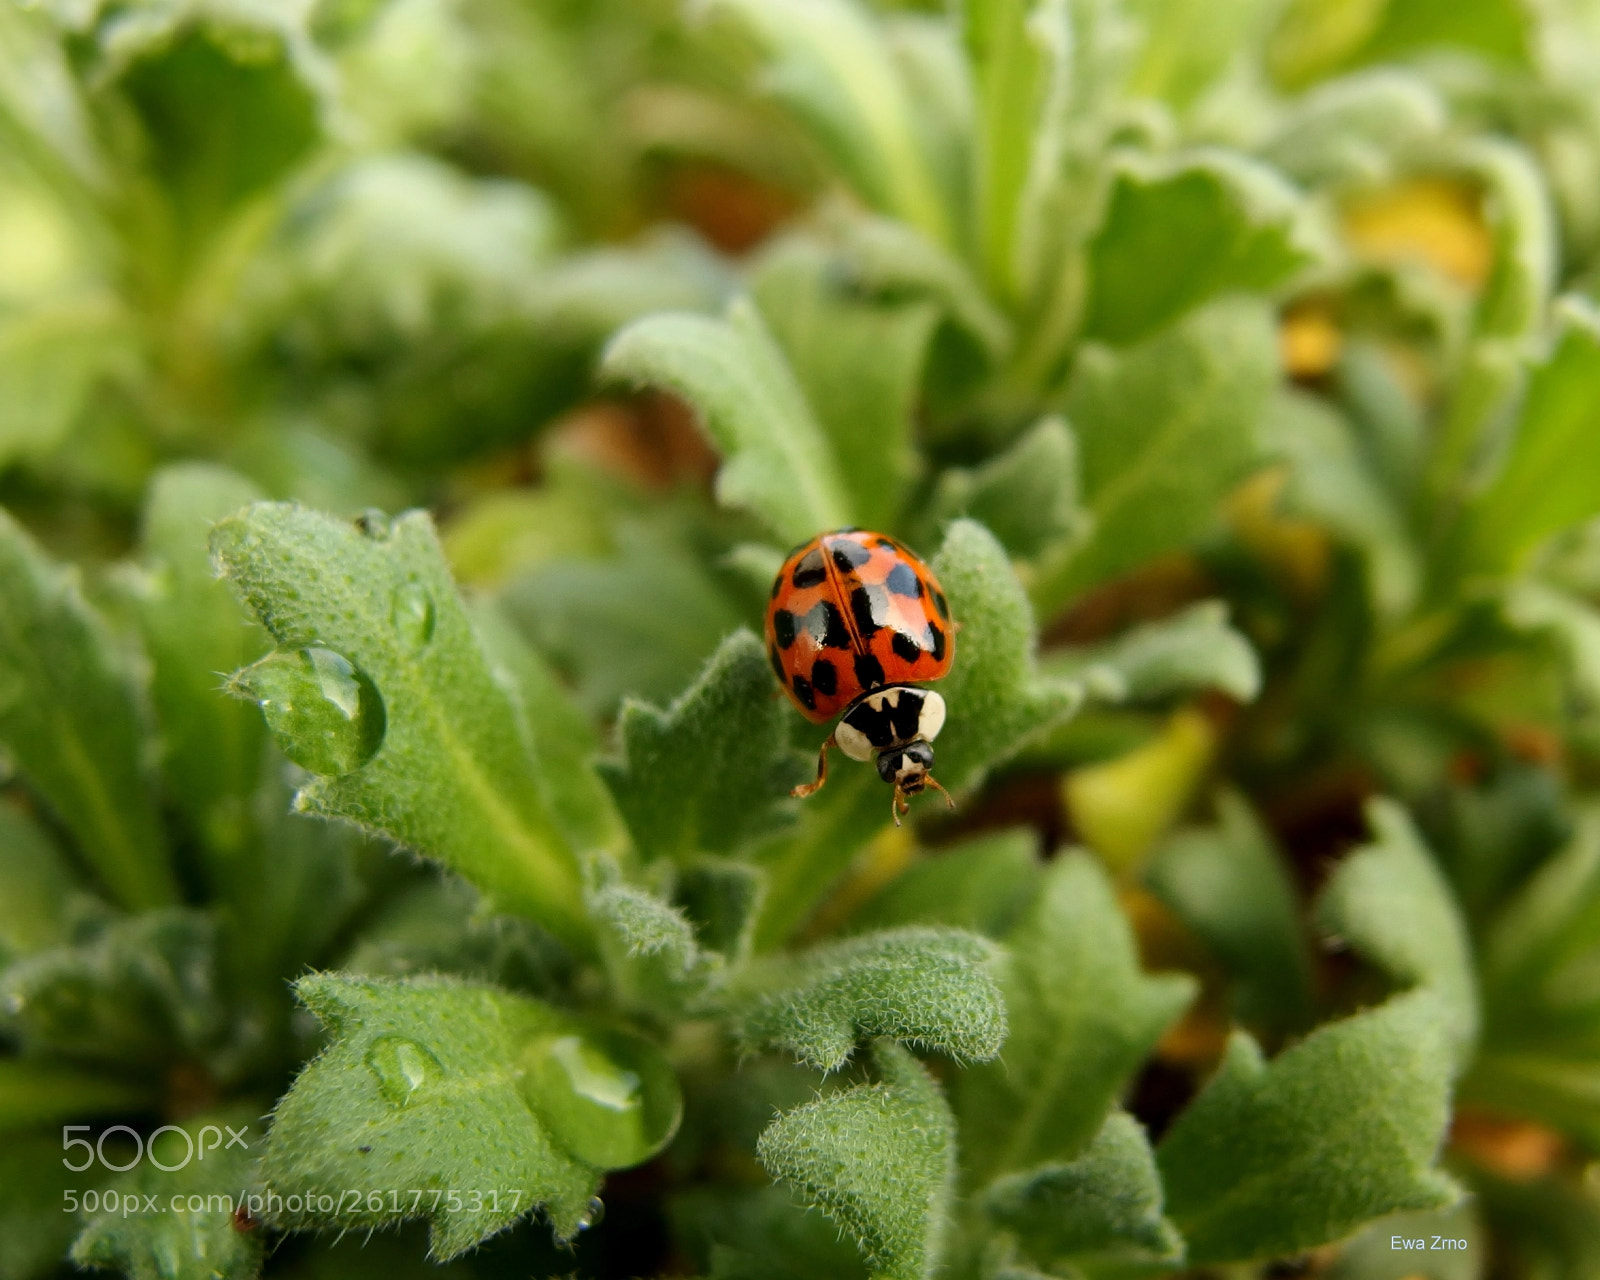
(777, 586)
(869, 605)
(941, 604)
(826, 626)
(905, 647)
(802, 690)
(903, 581)
(849, 555)
(824, 678)
(884, 724)
(869, 671)
(783, 627)
(810, 571)
(937, 647)
(887, 543)
(777, 662)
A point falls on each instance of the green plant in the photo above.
(1245, 354)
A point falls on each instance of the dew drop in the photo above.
(413, 615)
(374, 523)
(606, 1095)
(593, 1215)
(402, 1067)
(324, 712)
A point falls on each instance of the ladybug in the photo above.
(855, 624)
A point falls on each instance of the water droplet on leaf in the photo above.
(594, 1215)
(413, 615)
(324, 712)
(607, 1096)
(402, 1067)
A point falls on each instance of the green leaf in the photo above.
(35, 1233)
(561, 739)
(640, 622)
(1216, 221)
(228, 103)
(1330, 482)
(1353, 128)
(860, 365)
(1164, 428)
(69, 720)
(1193, 650)
(761, 1234)
(1275, 1158)
(211, 745)
(827, 61)
(1231, 887)
(930, 988)
(721, 897)
(36, 1094)
(138, 994)
(1548, 481)
(981, 885)
(998, 700)
(381, 640)
(1082, 1016)
(1021, 54)
(440, 1086)
(1390, 902)
(1541, 998)
(179, 1241)
(36, 887)
(1026, 496)
(654, 960)
(1103, 1206)
(1535, 607)
(878, 1159)
(776, 459)
(1188, 45)
(712, 772)
(51, 358)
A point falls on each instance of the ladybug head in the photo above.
(906, 768)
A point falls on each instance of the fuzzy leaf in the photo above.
(982, 885)
(1549, 480)
(1105, 1205)
(36, 887)
(1541, 997)
(1351, 128)
(828, 62)
(1232, 888)
(445, 1086)
(776, 459)
(446, 769)
(561, 739)
(69, 720)
(859, 363)
(179, 1242)
(713, 770)
(1026, 496)
(998, 701)
(651, 952)
(928, 987)
(1330, 481)
(1391, 903)
(211, 745)
(1164, 428)
(1194, 650)
(1214, 220)
(878, 1159)
(1082, 1018)
(140, 992)
(1274, 1158)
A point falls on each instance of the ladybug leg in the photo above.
(811, 788)
(934, 783)
(898, 804)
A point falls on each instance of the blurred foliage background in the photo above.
(1261, 334)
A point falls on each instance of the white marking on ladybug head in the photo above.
(932, 718)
